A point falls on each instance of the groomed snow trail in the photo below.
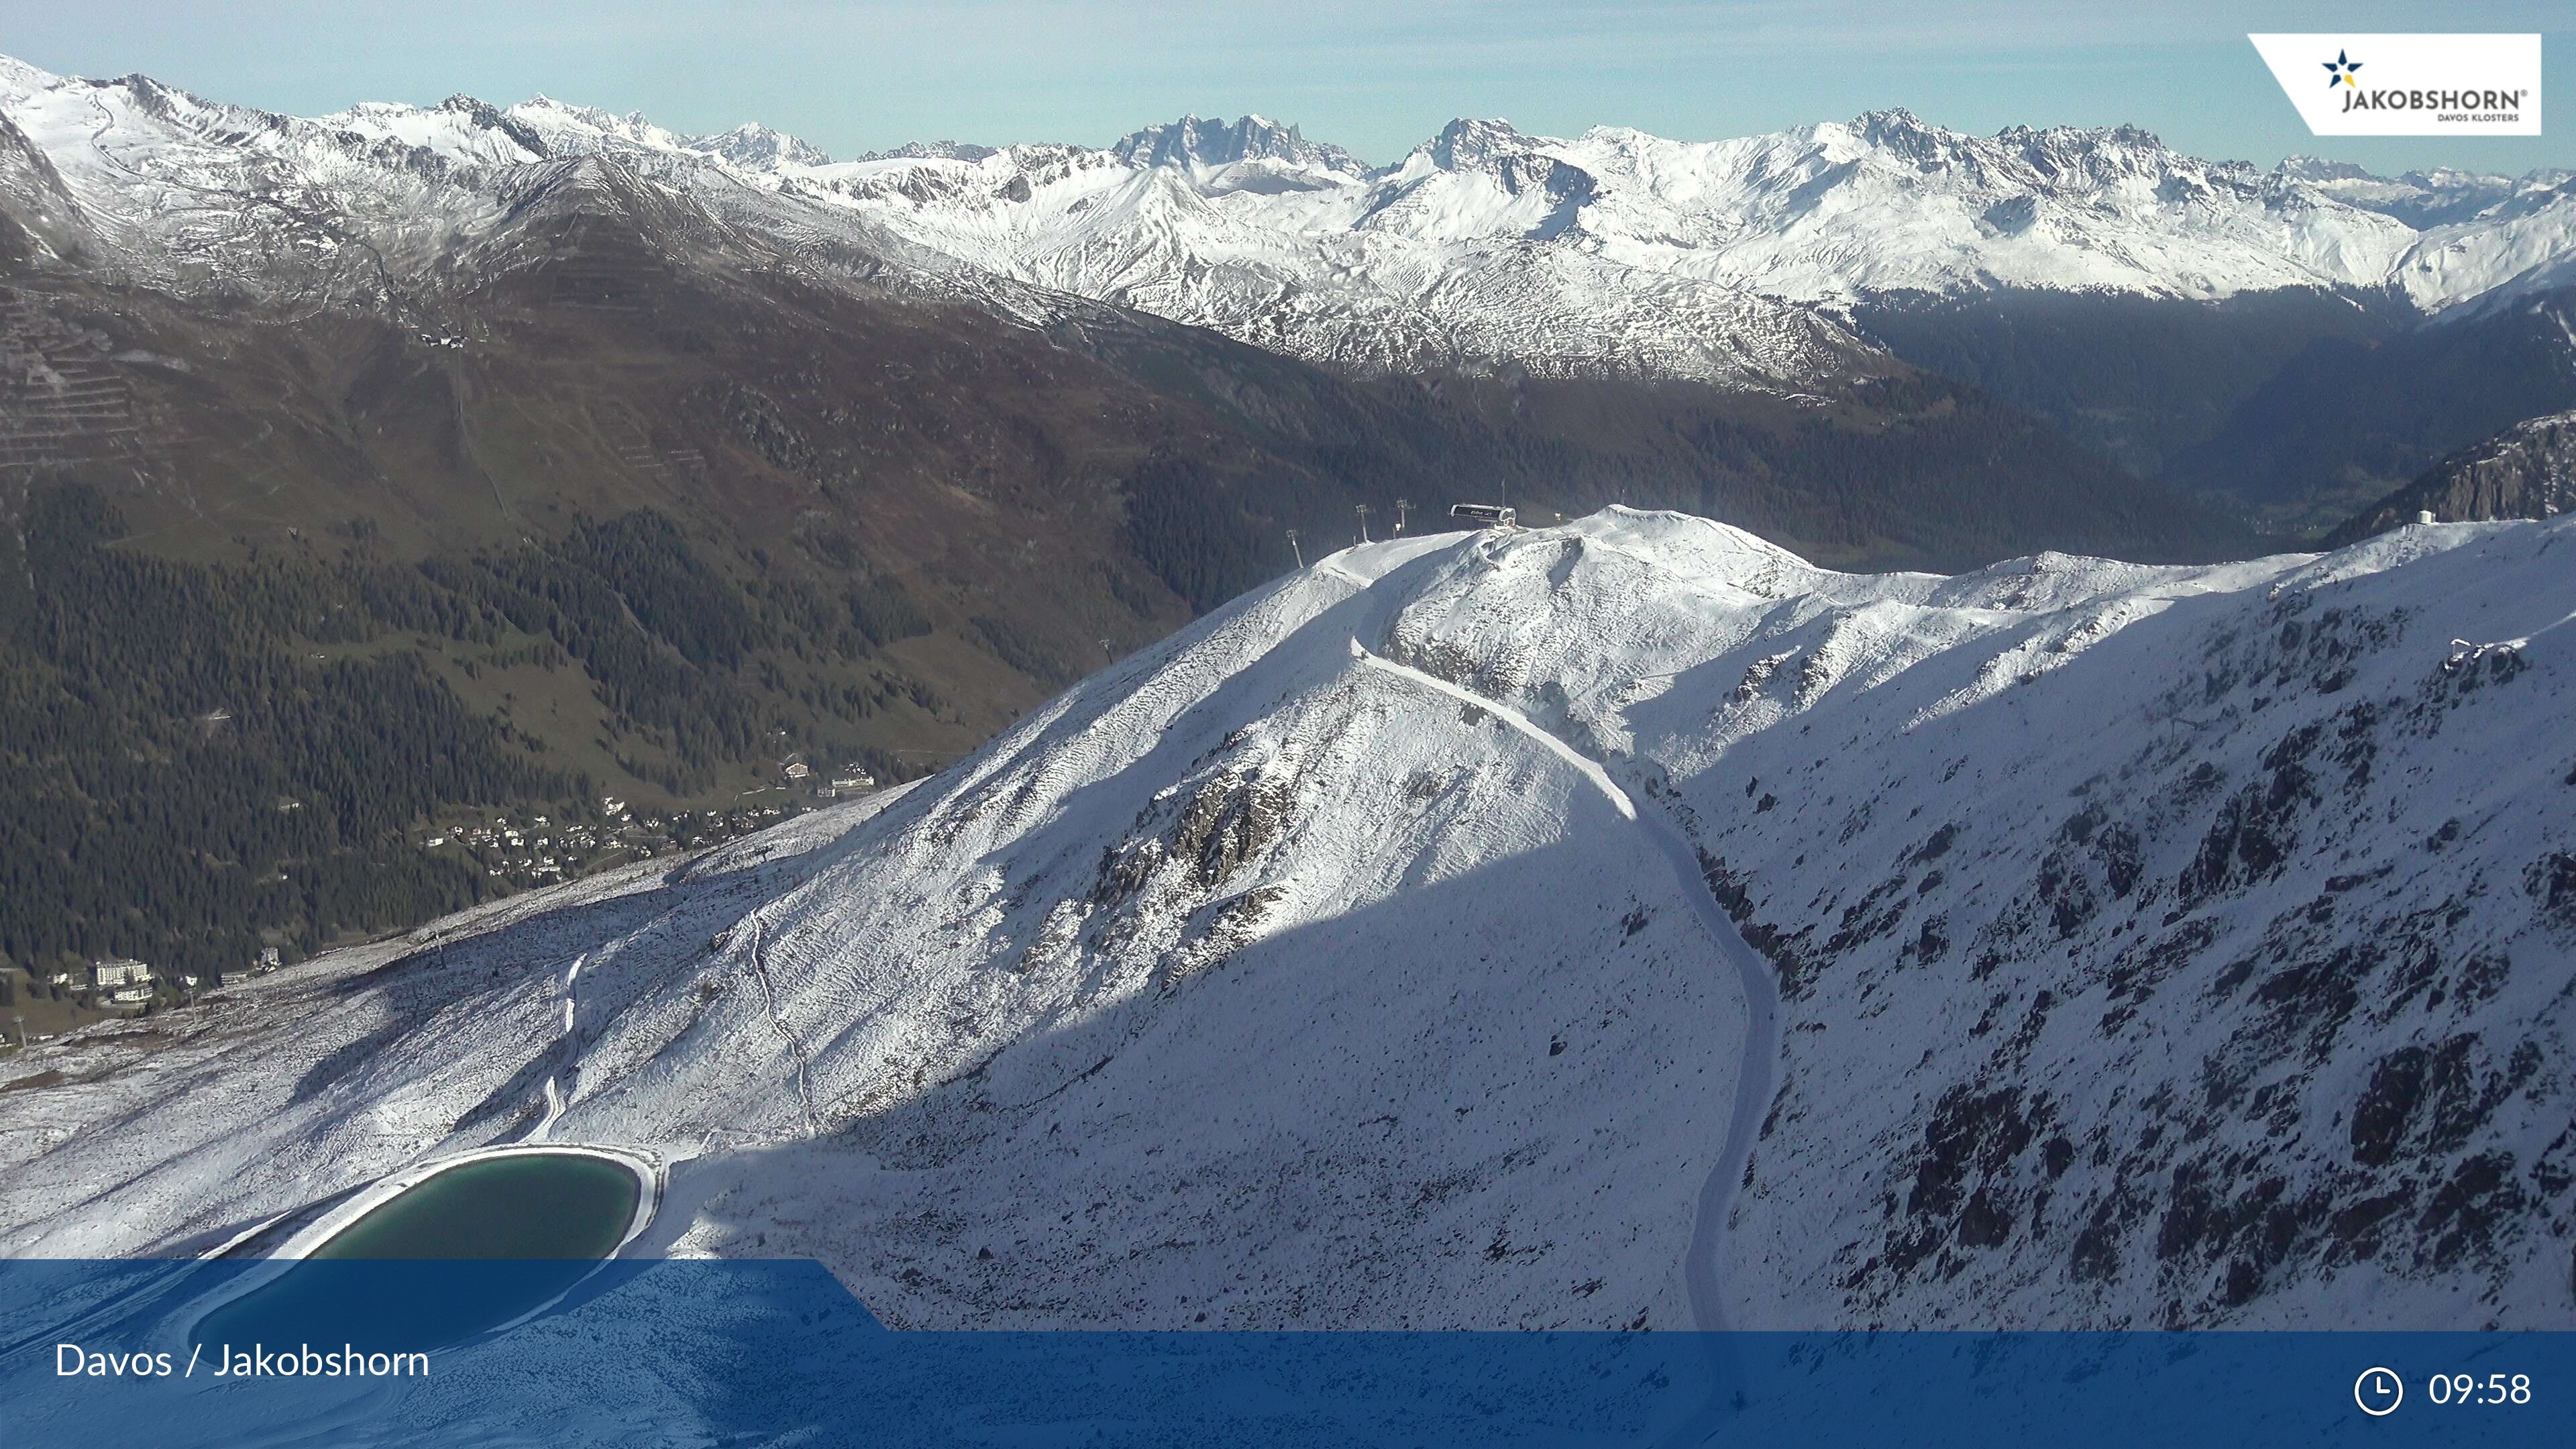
(795, 1047)
(544, 1130)
(1754, 1073)
(1599, 777)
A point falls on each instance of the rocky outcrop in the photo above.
(2526, 471)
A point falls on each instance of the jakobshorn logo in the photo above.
(2418, 85)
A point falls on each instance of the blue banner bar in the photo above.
(743, 1353)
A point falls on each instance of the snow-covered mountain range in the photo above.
(2100, 945)
(1611, 253)
(1830, 212)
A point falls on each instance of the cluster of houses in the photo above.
(718, 826)
(853, 779)
(122, 981)
(539, 850)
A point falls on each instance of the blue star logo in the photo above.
(2339, 72)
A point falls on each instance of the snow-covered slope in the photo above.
(2149, 945)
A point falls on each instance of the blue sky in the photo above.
(1377, 77)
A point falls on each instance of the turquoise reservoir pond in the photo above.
(471, 1248)
(525, 1205)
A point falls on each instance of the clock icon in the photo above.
(2379, 1391)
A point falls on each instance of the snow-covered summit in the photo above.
(930, 151)
(2136, 946)
(1192, 144)
(759, 148)
(1464, 145)
(460, 128)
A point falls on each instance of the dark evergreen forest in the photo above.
(198, 758)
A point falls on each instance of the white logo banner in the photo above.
(2409, 85)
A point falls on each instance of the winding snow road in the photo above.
(1755, 1070)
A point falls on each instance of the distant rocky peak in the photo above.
(634, 126)
(1465, 145)
(2318, 168)
(1195, 142)
(2081, 157)
(489, 117)
(1901, 134)
(932, 151)
(1893, 123)
(1901, 129)
(757, 146)
(548, 105)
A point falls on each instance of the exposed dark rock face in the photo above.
(2526, 471)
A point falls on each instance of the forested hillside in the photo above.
(2294, 408)
(204, 757)
(2137, 379)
